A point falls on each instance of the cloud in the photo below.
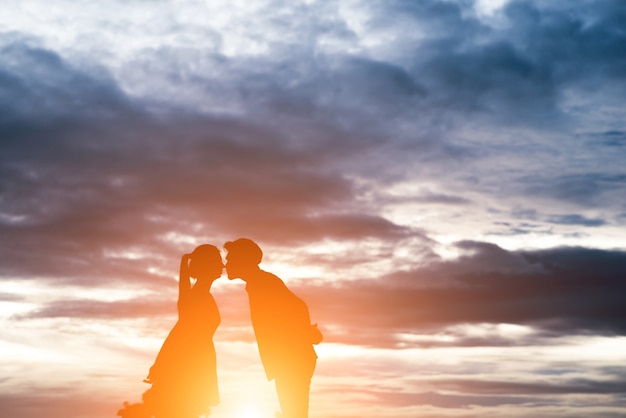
(575, 219)
(89, 140)
(563, 291)
(97, 172)
(553, 293)
(89, 170)
(9, 297)
(55, 404)
(612, 138)
(591, 189)
(516, 72)
(515, 397)
(40, 87)
(353, 140)
(94, 309)
(563, 387)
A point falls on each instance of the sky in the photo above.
(442, 181)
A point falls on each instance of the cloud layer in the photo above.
(432, 175)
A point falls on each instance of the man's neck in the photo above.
(252, 275)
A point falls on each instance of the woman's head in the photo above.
(206, 262)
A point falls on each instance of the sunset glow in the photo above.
(249, 413)
(442, 182)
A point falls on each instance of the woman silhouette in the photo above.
(184, 376)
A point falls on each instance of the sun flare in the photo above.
(249, 413)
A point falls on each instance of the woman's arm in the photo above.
(184, 284)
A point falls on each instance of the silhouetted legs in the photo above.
(293, 388)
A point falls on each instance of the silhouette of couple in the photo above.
(184, 376)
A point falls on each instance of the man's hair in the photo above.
(246, 249)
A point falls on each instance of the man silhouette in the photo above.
(282, 327)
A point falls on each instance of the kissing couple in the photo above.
(184, 375)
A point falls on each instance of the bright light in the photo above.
(249, 413)
(489, 7)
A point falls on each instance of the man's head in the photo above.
(243, 257)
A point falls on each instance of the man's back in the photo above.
(281, 323)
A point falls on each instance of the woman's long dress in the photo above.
(184, 374)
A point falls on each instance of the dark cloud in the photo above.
(584, 37)
(612, 138)
(86, 167)
(494, 79)
(567, 386)
(545, 223)
(561, 291)
(543, 392)
(518, 72)
(95, 172)
(476, 393)
(592, 189)
(575, 219)
(441, 400)
(521, 228)
(39, 87)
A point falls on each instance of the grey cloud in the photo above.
(568, 385)
(495, 79)
(612, 138)
(579, 42)
(522, 228)
(525, 213)
(39, 86)
(575, 219)
(440, 400)
(562, 292)
(101, 174)
(591, 189)
(465, 393)
(93, 309)
(574, 189)
(461, 64)
(427, 197)
(370, 81)
(442, 199)
(338, 91)
(518, 73)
